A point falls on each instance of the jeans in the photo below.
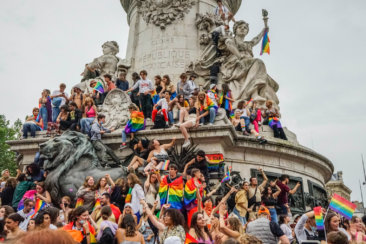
(242, 219)
(210, 117)
(124, 136)
(85, 124)
(55, 112)
(273, 213)
(30, 127)
(283, 209)
(247, 123)
(171, 117)
(44, 115)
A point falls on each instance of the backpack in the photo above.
(159, 122)
(107, 236)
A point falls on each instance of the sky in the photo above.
(317, 57)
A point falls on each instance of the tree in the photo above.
(7, 132)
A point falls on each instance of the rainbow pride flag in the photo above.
(99, 87)
(40, 204)
(136, 122)
(27, 195)
(79, 202)
(274, 121)
(116, 211)
(128, 196)
(97, 204)
(165, 165)
(171, 193)
(227, 175)
(319, 218)
(342, 206)
(215, 158)
(265, 43)
(190, 239)
(210, 104)
(190, 191)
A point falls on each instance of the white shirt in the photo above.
(243, 112)
(211, 95)
(287, 231)
(23, 225)
(300, 229)
(144, 85)
(137, 194)
(63, 100)
(163, 104)
(192, 84)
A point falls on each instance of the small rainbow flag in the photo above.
(342, 206)
(97, 204)
(165, 165)
(265, 43)
(79, 202)
(190, 239)
(99, 87)
(319, 218)
(227, 176)
(38, 206)
(128, 196)
(135, 123)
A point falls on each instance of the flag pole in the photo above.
(362, 197)
(364, 173)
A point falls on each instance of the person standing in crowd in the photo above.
(43, 220)
(255, 191)
(305, 228)
(90, 113)
(183, 87)
(241, 203)
(5, 211)
(233, 229)
(45, 107)
(213, 94)
(65, 210)
(199, 230)
(121, 82)
(338, 237)
(145, 89)
(59, 98)
(79, 221)
(86, 193)
(42, 193)
(102, 186)
(331, 223)
(282, 199)
(137, 193)
(7, 193)
(105, 214)
(285, 227)
(226, 100)
(32, 124)
(151, 187)
(355, 229)
(96, 216)
(146, 228)
(205, 109)
(272, 117)
(119, 193)
(12, 225)
(128, 233)
(158, 89)
(193, 192)
(22, 186)
(200, 162)
(171, 188)
(265, 230)
(269, 199)
(77, 97)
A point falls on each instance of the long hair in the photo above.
(11, 182)
(198, 101)
(235, 224)
(181, 103)
(86, 183)
(122, 182)
(327, 220)
(74, 214)
(225, 88)
(197, 229)
(98, 184)
(167, 80)
(8, 210)
(282, 219)
(134, 179)
(128, 223)
(106, 212)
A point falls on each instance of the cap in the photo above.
(128, 205)
(212, 86)
(263, 210)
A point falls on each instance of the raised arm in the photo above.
(110, 181)
(186, 167)
(265, 179)
(223, 228)
(167, 146)
(151, 216)
(293, 191)
(258, 38)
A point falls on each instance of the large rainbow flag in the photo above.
(274, 121)
(210, 104)
(342, 206)
(171, 193)
(319, 218)
(136, 122)
(27, 195)
(265, 43)
(40, 204)
(190, 191)
(190, 239)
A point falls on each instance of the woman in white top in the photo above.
(159, 151)
(285, 227)
(189, 115)
(151, 187)
(137, 194)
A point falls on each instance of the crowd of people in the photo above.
(168, 207)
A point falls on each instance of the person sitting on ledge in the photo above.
(77, 97)
(205, 109)
(101, 149)
(73, 119)
(90, 112)
(224, 13)
(164, 107)
(141, 154)
(122, 83)
(134, 124)
(32, 124)
(98, 92)
(272, 117)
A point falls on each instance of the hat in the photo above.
(128, 205)
(263, 210)
(77, 86)
(212, 86)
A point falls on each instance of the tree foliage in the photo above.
(8, 132)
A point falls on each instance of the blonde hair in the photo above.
(87, 100)
(198, 102)
(134, 179)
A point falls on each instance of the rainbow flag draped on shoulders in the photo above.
(190, 191)
(272, 121)
(210, 104)
(265, 43)
(171, 193)
(342, 206)
(190, 239)
(136, 122)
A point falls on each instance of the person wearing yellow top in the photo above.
(241, 203)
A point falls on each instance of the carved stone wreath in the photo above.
(164, 12)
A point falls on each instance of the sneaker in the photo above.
(245, 133)
(123, 146)
(210, 124)
(186, 143)
(262, 141)
(177, 125)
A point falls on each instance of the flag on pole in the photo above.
(342, 206)
(40, 204)
(319, 218)
(227, 176)
(265, 43)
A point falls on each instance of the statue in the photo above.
(163, 12)
(246, 76)
(108, 63)
(115, 109)
(69, 159)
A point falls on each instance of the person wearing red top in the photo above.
(110, 84)
(282, 199)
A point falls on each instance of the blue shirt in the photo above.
(122, 84)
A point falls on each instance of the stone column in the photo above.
(163, 38)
